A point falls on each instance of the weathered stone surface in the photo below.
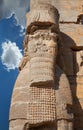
(20, 95)
(49, 18)
(21, 82)
(42, 93)
(69, 9)
(67, 125)
(18, 110)
(32, 5)
(71, 35)
(74, 31)
(79, 67)
(17, 124)
(77, 92)
(41, 107)
(42, 54)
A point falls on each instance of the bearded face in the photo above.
(42, 52)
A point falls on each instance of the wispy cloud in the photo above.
(20, 7)
(11, 55)
(10, 29)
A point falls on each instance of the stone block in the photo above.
(69, 9)
(73, 31)
(18, 111)
(20, 95)
(23, 78)
(71, 35)
(17, 124)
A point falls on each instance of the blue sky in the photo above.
(12, 31)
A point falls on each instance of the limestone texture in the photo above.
(69, 10)
(48, 93)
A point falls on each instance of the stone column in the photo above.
(43, 42)
(41, 97)
(42, 34)
(35, 3)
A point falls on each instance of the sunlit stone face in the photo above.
(42, 51)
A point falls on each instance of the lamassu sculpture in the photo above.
(41, 98)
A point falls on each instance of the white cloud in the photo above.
(11, 55)
(19, 7)
(22, 32)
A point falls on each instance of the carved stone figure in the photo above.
(42, 97)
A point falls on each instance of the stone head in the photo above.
(42, 46)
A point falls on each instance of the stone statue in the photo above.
(42, 97)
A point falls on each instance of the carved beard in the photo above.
(42, 54)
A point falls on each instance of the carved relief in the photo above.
(48, 99)
(42, 49)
